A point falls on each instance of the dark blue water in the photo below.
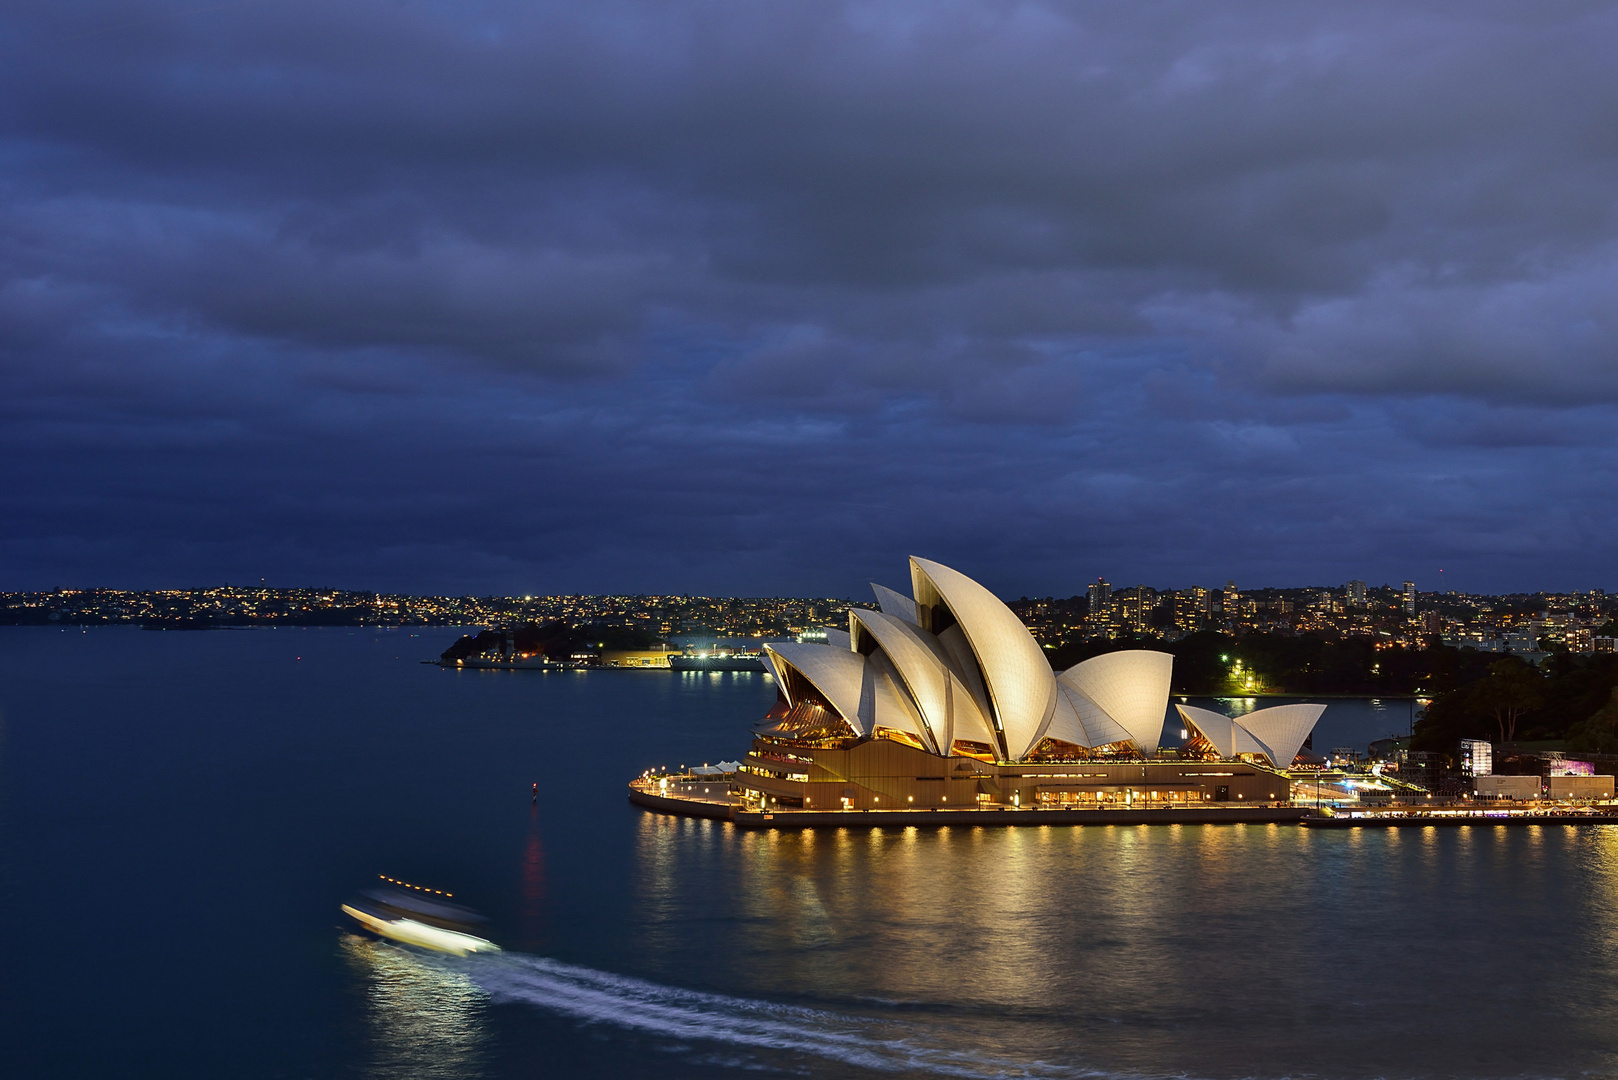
(181, 813)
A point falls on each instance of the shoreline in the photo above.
(728, 810)
(1454, 819)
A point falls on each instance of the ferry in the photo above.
(722, 661)
(415, 916)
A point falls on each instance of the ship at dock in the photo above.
(736, 661)
(511, 663)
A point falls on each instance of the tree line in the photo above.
(1570, 698)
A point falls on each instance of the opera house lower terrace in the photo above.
(940, 706)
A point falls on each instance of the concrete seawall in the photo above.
(1439, 820)
(665, 804)
(802, 819)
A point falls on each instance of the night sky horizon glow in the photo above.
(758, 299)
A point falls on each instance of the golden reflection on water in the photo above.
(1167, 946)
(1001, 915)
(422, 1019)
(1601, 845)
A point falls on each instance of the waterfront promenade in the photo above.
(711, 798)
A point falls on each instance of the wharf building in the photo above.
(942, 700)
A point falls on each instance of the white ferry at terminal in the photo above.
(718, 660)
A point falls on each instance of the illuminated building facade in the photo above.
(943, 699)
(1477, 757)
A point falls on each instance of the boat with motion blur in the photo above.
(412, 915)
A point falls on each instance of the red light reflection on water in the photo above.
(531, 915)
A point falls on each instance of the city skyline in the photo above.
(1522, 623)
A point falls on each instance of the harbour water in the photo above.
(181, 813)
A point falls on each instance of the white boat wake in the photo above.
(686, 1015)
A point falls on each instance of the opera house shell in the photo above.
(943, 697)
(952, 669)
(1277, 733)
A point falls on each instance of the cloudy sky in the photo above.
(763, 297)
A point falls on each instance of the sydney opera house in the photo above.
(942, 700)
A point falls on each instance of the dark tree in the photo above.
(1512, 688)
(1599, 733)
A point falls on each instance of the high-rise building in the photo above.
(1134, 606)
(1477, 757)
(1356, 593)
(1100, 596)
(1410, 598)
(1231, 601)
(1190, 607)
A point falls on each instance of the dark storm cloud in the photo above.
(367, 288)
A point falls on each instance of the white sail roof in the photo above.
(856, 688)
(965, 665)
(1128, 691)
(1277, 732)
(1018, 678)
(895, 603)
(836, 673)
(1282, 728)
(1081, 721)
(925, 669)
(955, 663)
(1065, 723)
(1224, 734)
(886, 703)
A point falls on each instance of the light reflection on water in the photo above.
(1255, 950)
(424, 1019)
